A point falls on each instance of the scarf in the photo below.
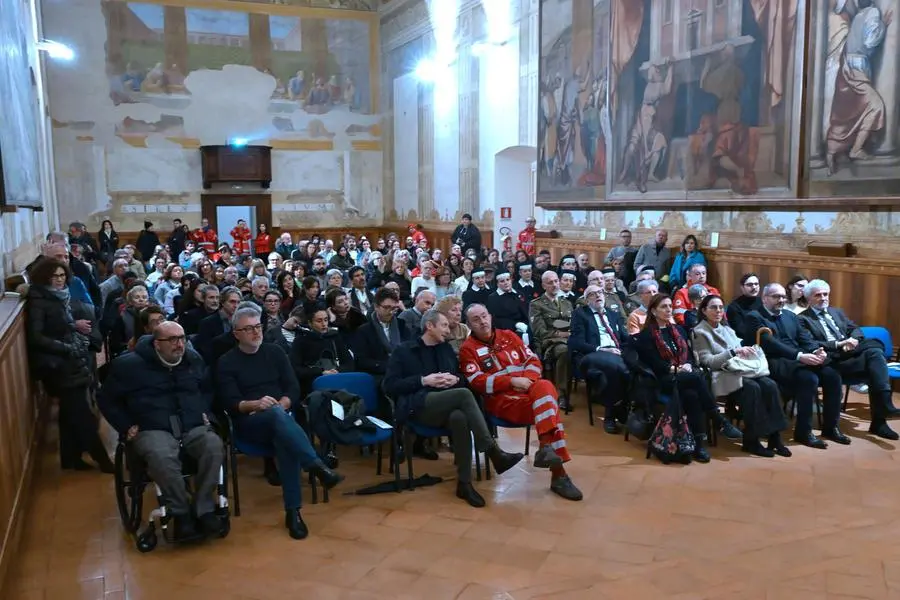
(664, 349)
(65, 297)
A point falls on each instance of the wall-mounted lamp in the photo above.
(56, 50)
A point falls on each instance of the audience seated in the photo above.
(136, 300)
(550, 317)
(360, 297)
(506, 306)
(423, 378)
(800, 365)
(478, 291)
(524, 284)
(850, 353)
(598, 336)
(319, 350)
(715, 344)
(158, 400)
(451, 307)
(507, 374)
(796, 301)
(696, 294)
(646, 291)
(739, 308)
(696, 275)
(217, 323)
(257, 386)
(665, 348)
(689, 256)
(424, 300)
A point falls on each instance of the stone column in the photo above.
(468, 132)
(426, 152)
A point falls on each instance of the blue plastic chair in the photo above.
(238, 446)
(412, 428)
(884, 336)
(364, 386)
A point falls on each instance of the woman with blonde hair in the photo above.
(451, 307)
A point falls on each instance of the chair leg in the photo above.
(407, 444)
(395, 466)
(378, 458)
(234, 482)
(590, 405)
(314, 487)
(527, 440)
(846, 397)
(477, 462)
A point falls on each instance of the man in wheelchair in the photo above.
(156, 398)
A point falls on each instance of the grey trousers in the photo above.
(160, 450)
(457, 410)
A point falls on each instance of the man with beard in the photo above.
(360, 298)
(739, 308)
(507, 374)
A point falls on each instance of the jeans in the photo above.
(457, 410)
(277, 429)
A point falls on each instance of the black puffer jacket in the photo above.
(310, 347)
(58, 354)
(140, 390)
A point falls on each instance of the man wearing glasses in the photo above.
(154, 398)
(799, 364)
(257, 386)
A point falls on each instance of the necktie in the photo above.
(606, 326)
(776, 319)
(835, 330)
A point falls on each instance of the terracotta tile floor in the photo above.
(823, 524)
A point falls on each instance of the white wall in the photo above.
(406, 144)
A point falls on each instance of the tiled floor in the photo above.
(823, 524)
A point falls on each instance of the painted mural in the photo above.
(853, 129)
(305, 77)
(684, 100)
(573, 117)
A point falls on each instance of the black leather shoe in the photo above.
(882, 430)
(610, 426)
(503, 461)
(564, 488)
(892, 411)
(423, 451)
(297, 529)
(210, 524)
(465, 491)
(728, 430)
(811, 440)
(834, 434)
(755, 448)
(78, 465)
(327, 477)
(777, 446)
(185, 528)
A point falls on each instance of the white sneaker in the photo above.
(860, 389)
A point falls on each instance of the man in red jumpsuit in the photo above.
(681, 302)
(526, 237)
(241, 236)
(507, 374)
(206, 238)
(417, 235)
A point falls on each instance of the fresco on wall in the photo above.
(700, 100)
(348, 4)
(853, 129)
(299, 77)
(573, 117)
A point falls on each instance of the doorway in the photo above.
(224, 210)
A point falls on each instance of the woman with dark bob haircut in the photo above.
(63, 339)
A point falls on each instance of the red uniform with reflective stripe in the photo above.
(489, 369)
(241, 239)
(526, 241)
(681, 303)
(206, 240)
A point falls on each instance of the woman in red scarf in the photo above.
(664, 347)
(262, 245)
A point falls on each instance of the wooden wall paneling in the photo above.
(22, 416)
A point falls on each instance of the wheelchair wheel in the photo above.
(146, 542)
(226, 527)
(129, 494)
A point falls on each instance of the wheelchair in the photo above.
(131, 481)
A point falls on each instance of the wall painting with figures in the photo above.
(670, 102)
(297, 77)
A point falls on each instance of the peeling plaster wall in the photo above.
(138, 160)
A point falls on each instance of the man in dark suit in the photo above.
(596, 341)
(360, 298)
(217, 323)
(800, 365)
(854, 356)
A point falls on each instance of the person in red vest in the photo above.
(241, 235)
(418, 236)
(262, 245)
(206, 239)
(526, 237)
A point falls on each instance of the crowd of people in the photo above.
(192, 327)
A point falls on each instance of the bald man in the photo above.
(156, 399)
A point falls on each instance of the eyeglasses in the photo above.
(250, 328)
(175, 339)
